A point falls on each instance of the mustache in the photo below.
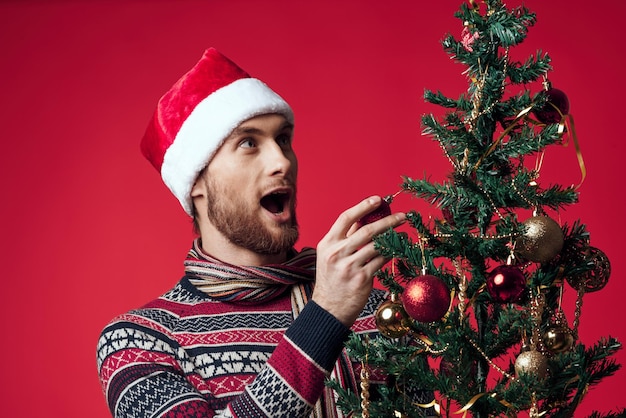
(280, 184)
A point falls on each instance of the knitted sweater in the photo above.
(186, 355)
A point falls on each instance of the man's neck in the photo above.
(219, 247)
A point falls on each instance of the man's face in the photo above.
(251, 186)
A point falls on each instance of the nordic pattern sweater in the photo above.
(185, 355)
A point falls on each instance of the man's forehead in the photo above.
(261, 124)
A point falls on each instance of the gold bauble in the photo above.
(558, 339)
(532, 362)
(392, 320)
(542, 239)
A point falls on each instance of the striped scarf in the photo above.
(247, 284)
(253, 284)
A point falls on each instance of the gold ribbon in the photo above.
(565, 122)
(520, 116)
(568, 120)
(469, 404)
(432, 403)
(584, 393)
(475, 398)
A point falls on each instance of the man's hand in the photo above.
(347, 261)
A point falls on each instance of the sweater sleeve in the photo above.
(294, 376)
(142, 374)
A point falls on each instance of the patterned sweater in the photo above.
(185, 355)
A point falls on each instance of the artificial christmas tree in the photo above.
(475, 313)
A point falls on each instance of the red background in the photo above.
(88, 229)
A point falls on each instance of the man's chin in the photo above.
(285, 239)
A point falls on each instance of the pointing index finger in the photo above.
(350, 216)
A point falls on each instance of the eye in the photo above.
(284, 140)
(247, 143)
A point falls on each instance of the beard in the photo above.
(239, 223)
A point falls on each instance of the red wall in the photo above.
(88, 229)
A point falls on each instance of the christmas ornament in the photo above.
(392, 320)
(541, 241)
(426, 298)
(380, 212)
(531, 362)
(468, 37)
(365, 393)
(365, 383)
(449, 368)
(555, 107)
(506, 283)
(533, 412)
(558, 338)
(598, 277)
(471, 213)
(452, 369)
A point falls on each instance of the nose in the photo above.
(280, 161)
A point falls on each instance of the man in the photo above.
(254, 328)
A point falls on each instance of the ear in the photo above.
(199, 187)
(198, 201)
(198, 197)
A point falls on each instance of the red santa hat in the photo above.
(197, 114)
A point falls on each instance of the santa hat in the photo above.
(197, 114)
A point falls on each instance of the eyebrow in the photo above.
(255, 131)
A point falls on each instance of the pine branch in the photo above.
(576, 371)
(531, 70)
(440, 100)
(619, 414)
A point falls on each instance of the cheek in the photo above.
(294, 164)
(237, 187)
(227, 176)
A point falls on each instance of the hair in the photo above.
(195, 224)
(194, 211)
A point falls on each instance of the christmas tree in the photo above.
(475, 313)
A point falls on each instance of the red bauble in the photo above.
(548, 113)
(594, 279)
(472, 213)
(426, 298)
(380, 212)
(506, 284)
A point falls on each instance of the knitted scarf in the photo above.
(253, 284)
(247, 284)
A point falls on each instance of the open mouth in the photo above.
(275, 202)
